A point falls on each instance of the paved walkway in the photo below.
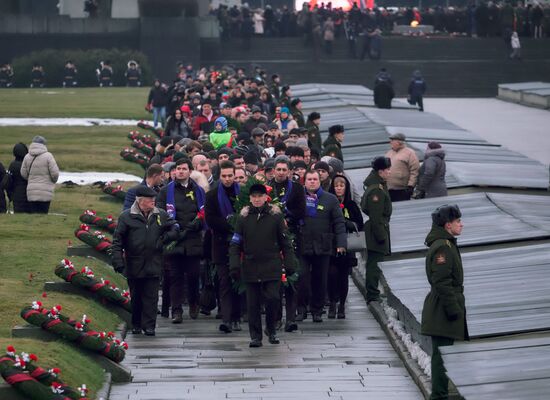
(338, 359)
(520, 128)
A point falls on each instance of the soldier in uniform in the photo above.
(6, 76)
(377, 205)
(136, 254)
(261, 235)
(133, 74)
(37, 76)
(105, 74)
(444, 312)
(69, 74)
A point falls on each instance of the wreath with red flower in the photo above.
(143, 148)
(116, 191)
(147, 139)
(75, 331)
(22, 372)
(157, 131)
(89, 217)
(86, 279)
(134, 156)
(95, 239)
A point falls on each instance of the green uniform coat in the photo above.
(444, 312)
(376, 203)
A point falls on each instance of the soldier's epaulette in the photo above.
(381, 187)
(448, 243)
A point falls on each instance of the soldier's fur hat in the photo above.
(446, 213)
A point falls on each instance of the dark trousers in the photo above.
(440, 382)
(290, 304)
(255, 293)
(373, 275)
(179, 267)
(39, 207)
(145, 297)
(338, 279)
(313, 282)
(399, 195)
(165, 307)
(229, 298)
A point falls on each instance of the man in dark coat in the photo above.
(184, 200)
(153, 179)
(137, 254)
(219, 208)
(17, 189)
(313, 133)
(334, 141)
(296, 111)
(376, 203)
(261, 236)
(323, 235)
(444, 312)
(292, 198)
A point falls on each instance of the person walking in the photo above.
(340, 267)
(136, 253)
(41, 172)
(444, 311)
(516, 47)
(17, 188)
(431, 178)
(323, 235)
(260, 237)
(417, 88)
(219, 209)
(377, 204)
(157, 102)
(328, 35)
(404, 168)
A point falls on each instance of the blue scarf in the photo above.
(226, 208)
(171, 199)
(312, 200)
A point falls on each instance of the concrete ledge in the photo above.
(119, 373)
(87, 251)
(67, 287)
(105, 391)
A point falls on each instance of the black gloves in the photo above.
(350, 226)
(410, 190)
(170, 236)
(119, 268)
(194, 226)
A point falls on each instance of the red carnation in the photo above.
(268, 189)
(200, 214)
(341, 205)
(283, 278)
(58, 307)
(44, 294)
(33, 357)
(56, 371)
(10, 349)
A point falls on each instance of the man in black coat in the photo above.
(260, 236)
(153, 179)
(323, 234)
(219, 208)
(137, 254)
(184, 200)
(292, 198)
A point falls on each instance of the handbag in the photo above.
(356, 241)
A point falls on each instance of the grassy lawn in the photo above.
(75, 148)
(125, 103)
(31, 248)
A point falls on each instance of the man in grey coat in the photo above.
(431, 179)
(41, 171)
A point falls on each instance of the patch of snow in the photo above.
(423, 359)
(68, 122)
(86, 178)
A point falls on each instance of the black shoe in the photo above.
(136, 331)
(278, 325)
(194, 311)
(236, 326)
(341, 311)
(291, 326)
(205, 312)
(317, 318)
(371, 300)
(177, 317)
(149, 332)
(225, 327)
(255, 343)
(165, 314)
(301, 315)
(219, 316)
(332, 311)
(273, 339)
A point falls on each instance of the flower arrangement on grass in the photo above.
(157, 131)
(134, 156)
(23, 373)
(143, 148)
(116, 191)
(86, 279)
(90, 217)
(75, 331)
(95, 239)
(147, 139)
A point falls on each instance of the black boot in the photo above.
(341, 310)
(332, 310)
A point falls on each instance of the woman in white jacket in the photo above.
(516, 46)
(258, 22)
(41, 171)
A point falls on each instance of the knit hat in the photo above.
(224, 150)
(258, 132)
(301, 142)
(39, 139)
(299, 164)
(165, 141)
(273, 125)
(185, 109)
(222, 121)
(251, 157)
(434, 145)
(337, 165)
(322, 165)
(285, 110)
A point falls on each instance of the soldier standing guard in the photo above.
(444, 312)
(261, 235)
(376, 203)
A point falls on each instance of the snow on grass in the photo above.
(86, 178)
(67, 122)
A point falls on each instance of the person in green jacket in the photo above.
(221, 137)
(313, 133)
(296, 111)
(444, 312)
(333, 144)
(376, 203)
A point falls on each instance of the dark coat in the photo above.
(383, 94)
(186, 216)
(3, 205)
(313, 136)
(260, 237)
(431, 178)
(298, 117)
(131, 195)
(220, 227)
(376, 203)
(17, 190)
(136, 243)
(444, 312)
(158, 97)
(327, 230)
(417, 88)
(295, 207)
(336, 146)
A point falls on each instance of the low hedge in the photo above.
(86, 61)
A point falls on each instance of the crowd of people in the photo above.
(481, 19)
(104, 75)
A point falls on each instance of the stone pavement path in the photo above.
(337, 359)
